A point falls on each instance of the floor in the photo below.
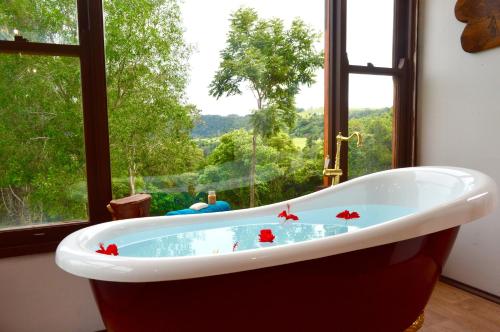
(453, 310)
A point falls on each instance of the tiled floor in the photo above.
(453, 310)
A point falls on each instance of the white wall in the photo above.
(459, 124)
(35, 295)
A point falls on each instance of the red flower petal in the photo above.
(292, 216)
(266, 235)
(102, 250)
(282, 214)
(112, 249)
(354, 215)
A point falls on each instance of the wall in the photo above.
(35, 295)
(459, 125)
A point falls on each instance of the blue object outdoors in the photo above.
(219, 206)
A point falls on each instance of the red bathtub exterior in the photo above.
(383, 288)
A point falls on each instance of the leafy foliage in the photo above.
(274, 62)
(41, 126)
(281, 173)
(42, 174)
(155, 145)
(147, 66)
(376, 153)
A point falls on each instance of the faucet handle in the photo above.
(327, 161)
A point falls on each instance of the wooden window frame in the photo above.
(403, 70)
(90, 51)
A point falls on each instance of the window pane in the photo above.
(43, 21)
(171, 137)
(370, 32)
(42, 168)
(370, 112)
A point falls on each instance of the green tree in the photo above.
(42, 168)
(42, 173)
(376, 153)
(147, 68)
(228, 164)
(273, 62)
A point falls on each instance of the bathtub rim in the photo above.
(78, 260)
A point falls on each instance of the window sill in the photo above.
(35, 239)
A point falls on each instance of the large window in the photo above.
(54, 169)
(40, 21)
(372, 70)
(371, 97)
(370, 112)
(42, 173)
(103, 99)
(231, 102)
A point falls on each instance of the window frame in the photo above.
(90, 51)
(403, 71)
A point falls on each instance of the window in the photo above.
(54, 174)
(42, 21)
(42, 147)
(372, 66)
(181, 119)
(178, 129)
(370, 112)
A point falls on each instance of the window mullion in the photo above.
(370, 70)
(91, 32)
(39, 48)
(404, 59)
(337, 71)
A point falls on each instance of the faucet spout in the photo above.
(357, 134)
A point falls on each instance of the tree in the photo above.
(147, 68)
(376, 153)
(42, 168)
(273, 62)
(229, 161)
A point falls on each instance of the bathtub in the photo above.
(321, 273)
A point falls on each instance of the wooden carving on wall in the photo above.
(482, 31)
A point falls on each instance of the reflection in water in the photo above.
(221, 240)
(219, 237)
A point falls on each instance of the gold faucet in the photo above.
(336, 172)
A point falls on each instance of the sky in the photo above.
(207, 24)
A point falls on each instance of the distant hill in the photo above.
(217, 125)
(357, 113)
(304, 113)
(309, 122)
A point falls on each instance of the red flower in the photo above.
(112, 249)
(287, 215)
(266, 235)
(348, 215)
